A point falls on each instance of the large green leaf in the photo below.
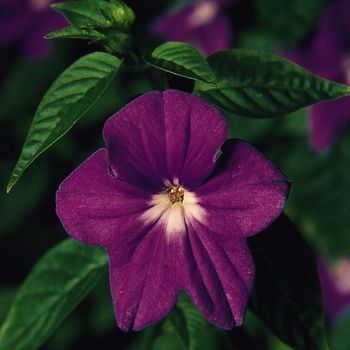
(181, 59)
(57, 283)
(256, 83)
(287, 295)
(66, 101)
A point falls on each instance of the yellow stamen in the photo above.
(176, 193)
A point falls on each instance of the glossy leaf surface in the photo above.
(255, 83)
(181, 59)
(57, 283)
(66, 101)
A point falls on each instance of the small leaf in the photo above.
(181, 59)
(261, 84)
(101, 22)
(58, 282)
(82, 13)
(66, 101)
(74, 33)
(287, 295)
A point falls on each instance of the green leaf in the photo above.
(74, 33)
(186, 321)
(288, 20)
(287, 295)
(97, 13)
(66, 101)
(177, 323)
(186, 329)
(83, 13)
(102, 22)
(58, 282)
(181, 59)
(256, 83)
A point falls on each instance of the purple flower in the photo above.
(172, 213)
(335, 284)
(201, 23)
(27, 21)
(328, 56)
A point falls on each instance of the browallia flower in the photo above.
(328, 56)
(26, 22)
(201, 23)
(335, 284)
(172, 212)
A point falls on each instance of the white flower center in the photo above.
(173, 208)
(203, 13)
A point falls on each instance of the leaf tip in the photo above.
(13, 180)
(10, 186)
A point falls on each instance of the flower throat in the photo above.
(176, 194)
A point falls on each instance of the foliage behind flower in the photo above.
(172, 215)
(140, 197)
(327, 55)
(26, 22)
(335, 283)
(200, 23)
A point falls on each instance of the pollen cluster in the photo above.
(176, 194)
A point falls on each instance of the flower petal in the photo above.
(96, 208)
(223, 279)
(145, 288)
(191, 159)
(245, 193)
(156, 248)
(165, 137)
